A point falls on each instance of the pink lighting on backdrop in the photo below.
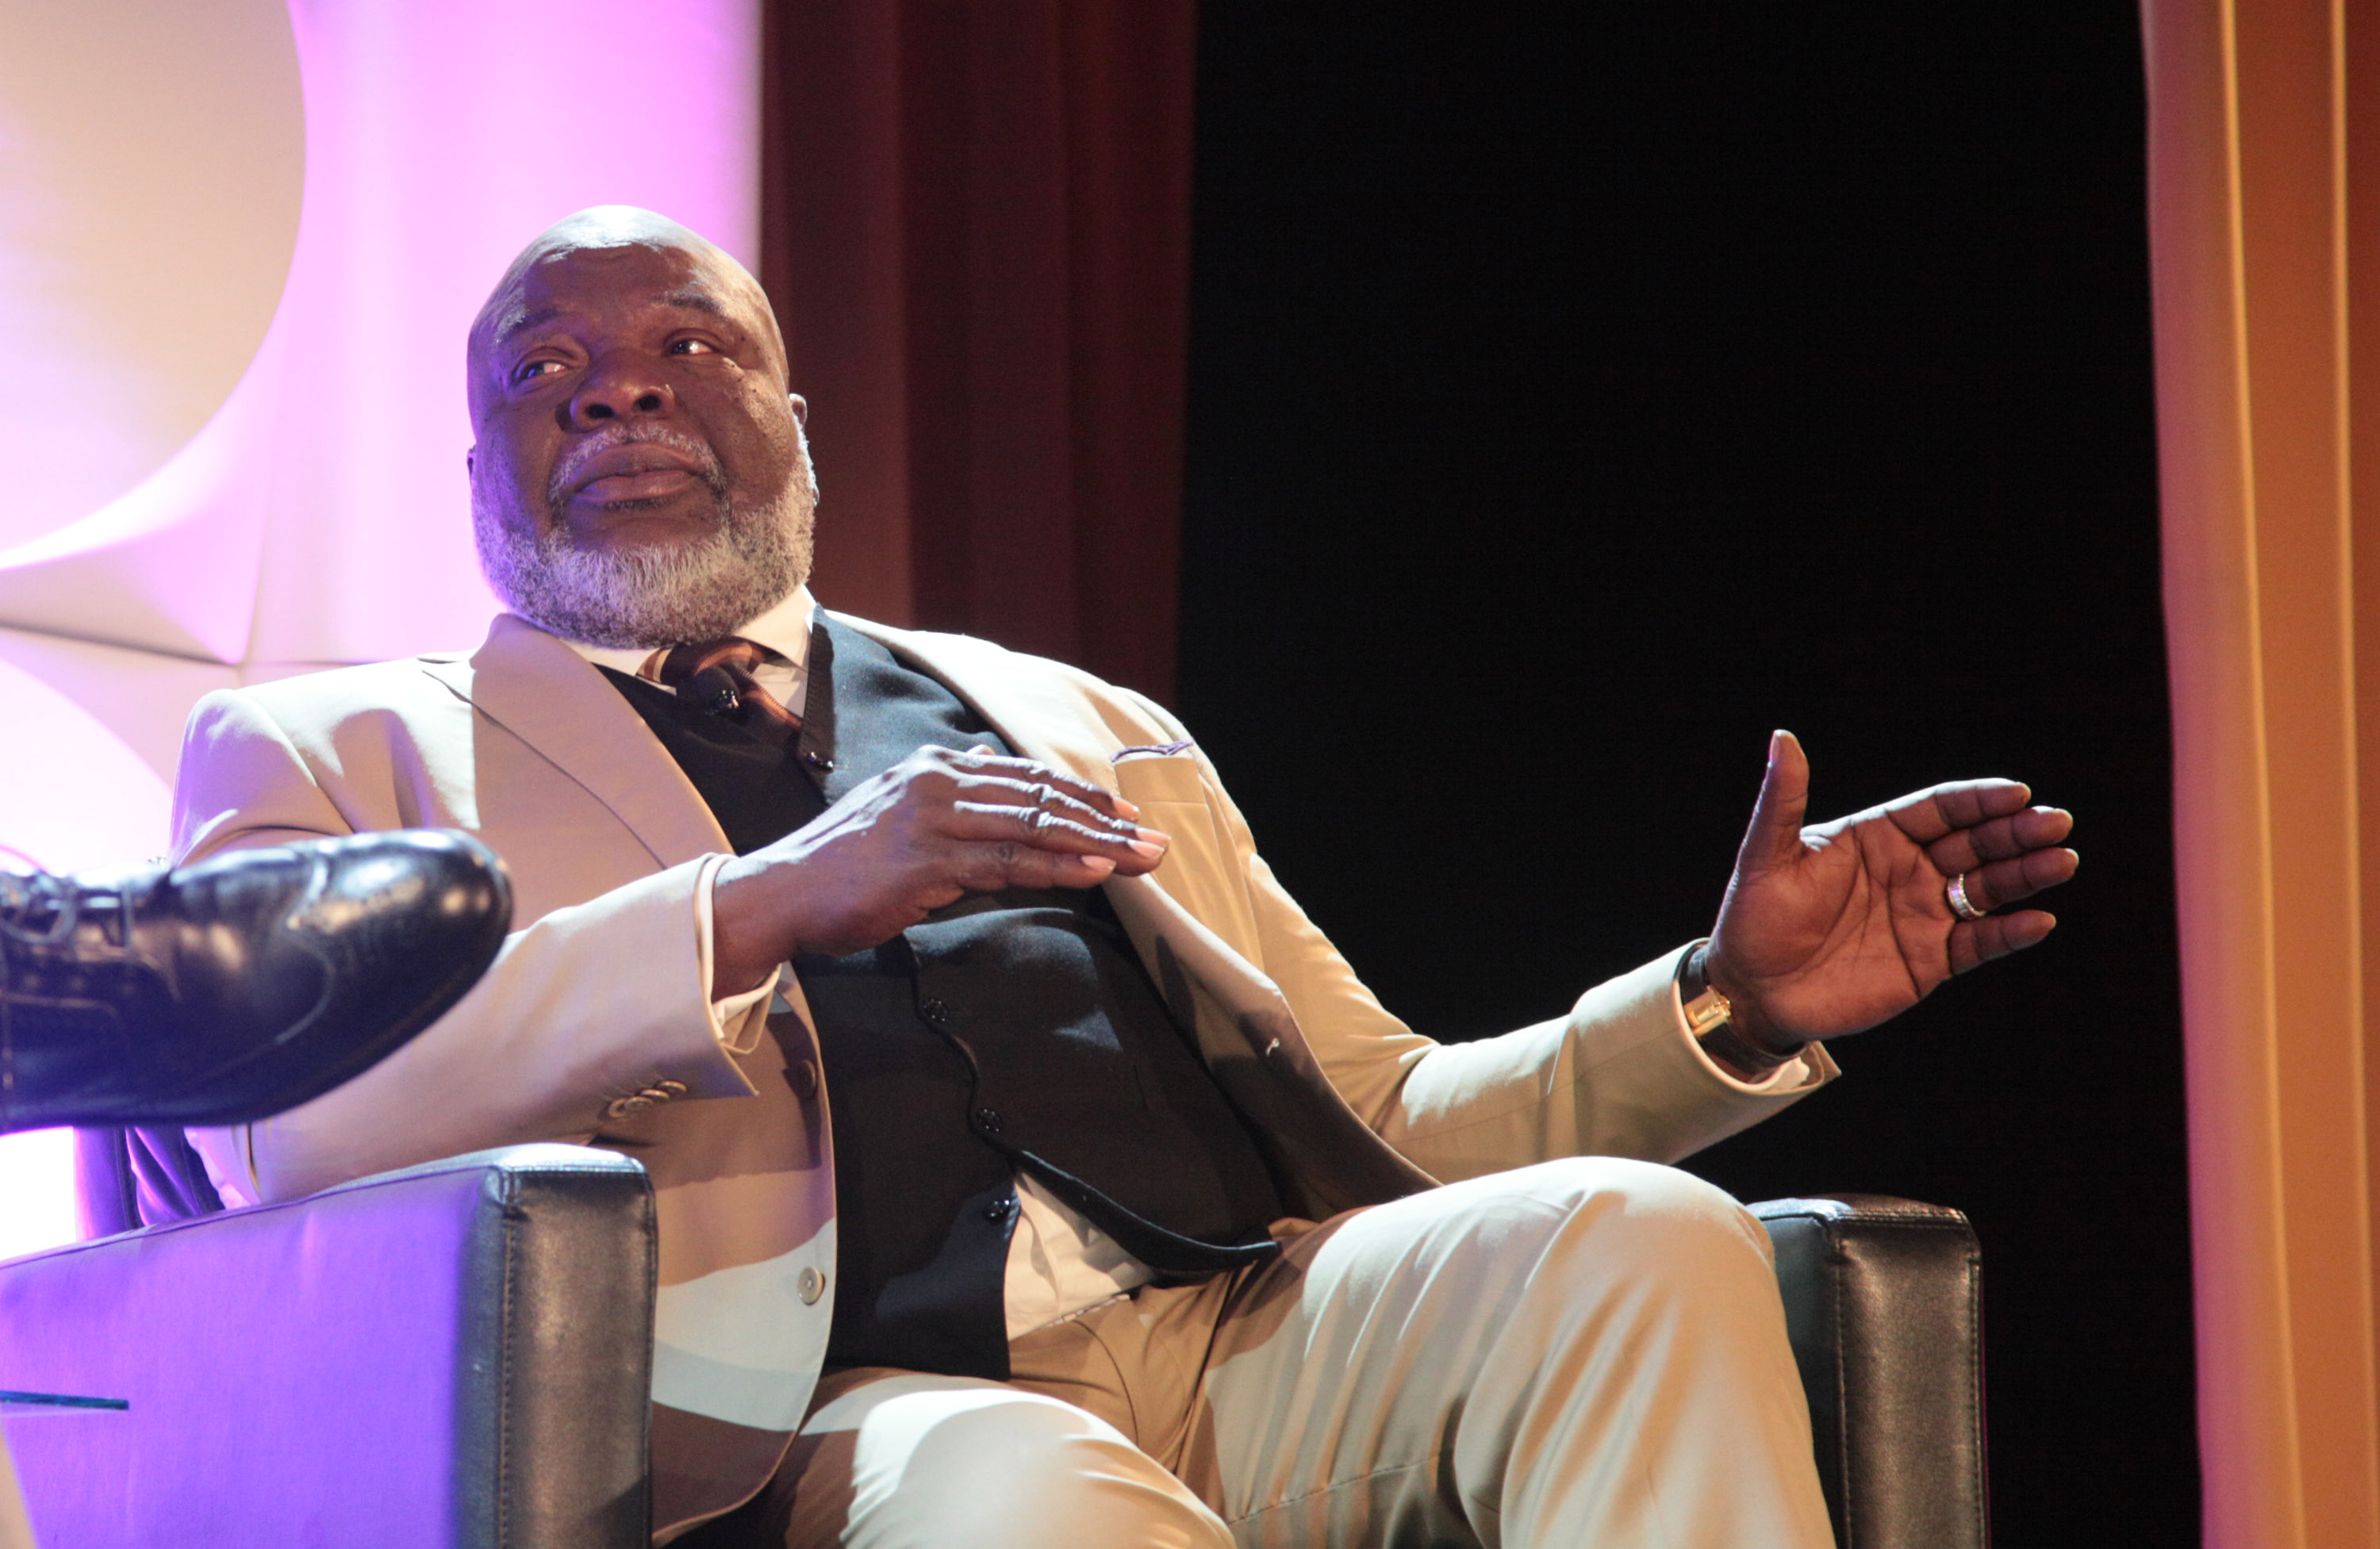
(268, 443)
(136, 278)
(88, 801)
(321, 515)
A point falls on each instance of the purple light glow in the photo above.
(319, 514)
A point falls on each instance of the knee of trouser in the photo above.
(1626, 1208)
(1029, 1455)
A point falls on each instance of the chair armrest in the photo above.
(454, 1355)
(1883, 1303)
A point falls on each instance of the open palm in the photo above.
(1834, 927)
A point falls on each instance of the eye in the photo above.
(528, 369)
(692, 347)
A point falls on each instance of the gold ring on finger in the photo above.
(1960, 905)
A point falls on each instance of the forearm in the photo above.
(585, 1005)
(755, 924)
(1618, 1076)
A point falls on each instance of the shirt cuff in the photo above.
(738, 1019)
(1796, 1072)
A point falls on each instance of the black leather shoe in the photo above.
(231, 989)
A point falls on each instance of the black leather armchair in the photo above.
(456, 1355)
(1884, 1304)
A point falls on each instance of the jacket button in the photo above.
(803, 1076)
(933, 1010)
(809, 1287)
(988, 1120)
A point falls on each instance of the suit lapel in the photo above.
(544, 692)
(1245, 1029)
(1039, 719)
(1029, 711)
(1036, 715)
(554, 700)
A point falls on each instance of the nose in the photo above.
(619, 387)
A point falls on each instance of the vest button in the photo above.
(998, 1210)
(816, 759)
(804, 1078)
(988, 1120)
(933, 1010)
(809, 1287)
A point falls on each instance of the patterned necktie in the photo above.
(716, 676)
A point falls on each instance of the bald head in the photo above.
(713, 276)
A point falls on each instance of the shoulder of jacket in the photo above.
(338, 693)
(1133, 715)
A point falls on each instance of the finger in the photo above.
(997, 866)
(1024, 796)
(1975, 942)
(1774, 837)
(1133, 851)
(2005, 882)
(2000, 839)
(1928, 815)
(1028, 773)
(1025, 791)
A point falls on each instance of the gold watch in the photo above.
(1710, 1018)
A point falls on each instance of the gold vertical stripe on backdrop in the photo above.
(2255, 250)
(2359, 114)
(2247, 1406)
(2287, 213)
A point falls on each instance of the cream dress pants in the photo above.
(1583, 1352)
(14, 1531)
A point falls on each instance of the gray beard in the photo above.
(649, 598)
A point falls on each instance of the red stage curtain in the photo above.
(976, 231)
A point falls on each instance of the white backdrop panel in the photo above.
(239, 245)
(150, 165)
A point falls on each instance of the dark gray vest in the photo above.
(1011, 1031)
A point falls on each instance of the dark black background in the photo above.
(1577, 393)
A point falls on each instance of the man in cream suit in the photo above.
(1029, 1169)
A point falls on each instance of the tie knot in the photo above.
(717, 675)
(680, 665)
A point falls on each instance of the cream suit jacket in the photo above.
(599, 996)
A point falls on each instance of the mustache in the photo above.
(574, 458)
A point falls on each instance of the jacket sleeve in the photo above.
(537, 1047)
(1618, 1075)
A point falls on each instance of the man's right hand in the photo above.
(935, 826)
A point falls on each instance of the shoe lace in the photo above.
(27, 896)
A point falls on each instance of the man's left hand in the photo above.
(1832, 929)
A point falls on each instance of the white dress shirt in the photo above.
(1058, 1264)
